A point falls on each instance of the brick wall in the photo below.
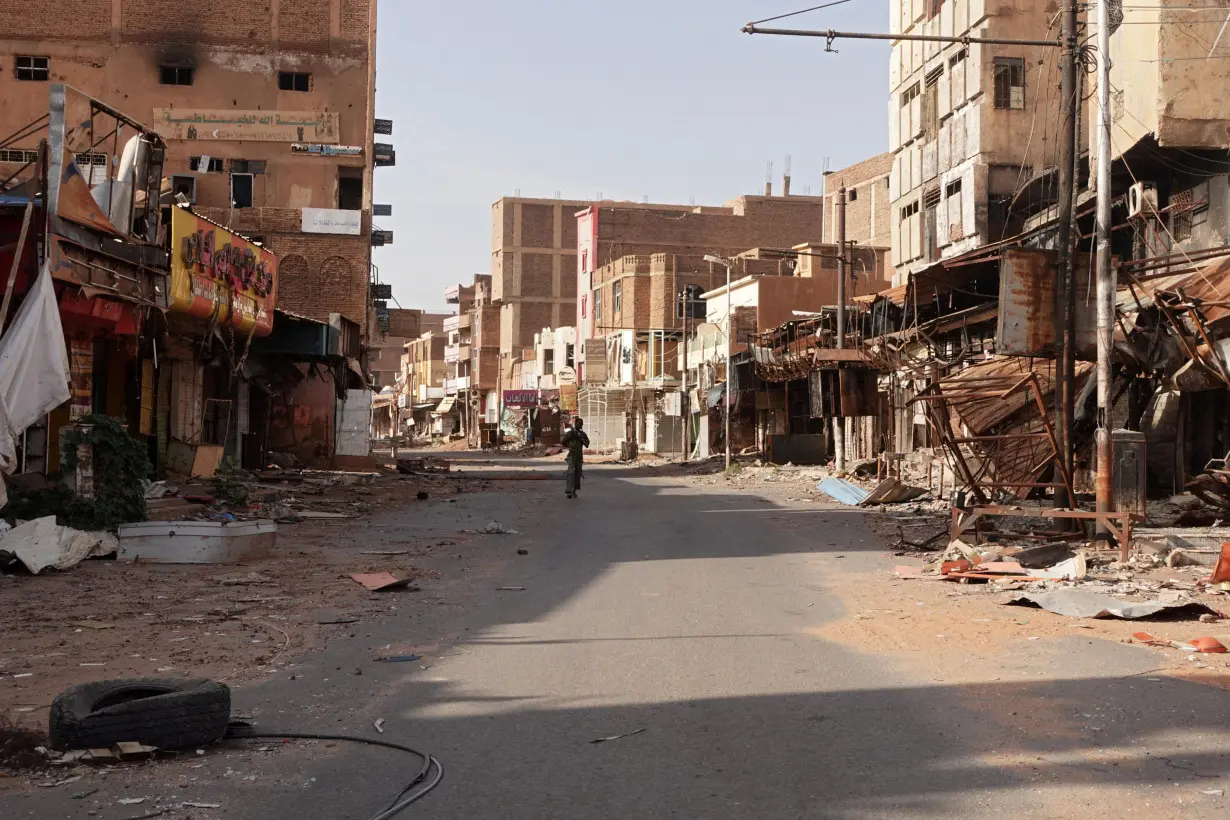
(63, 20)
(533, 265)
(868, 202)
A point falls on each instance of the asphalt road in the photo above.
(691, 617)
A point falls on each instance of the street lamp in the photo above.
(730, 327)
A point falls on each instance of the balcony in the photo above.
(458, 353)
(460, 321)
(452, 386)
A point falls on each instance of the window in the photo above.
(548, 362)
(952, 189)
(1009, 82)
(350, 189)
(910, 94)
(570, 355)
(584, 304)
(294, 81)
(213, 166)
(175, 75)
(597, 308)
(957, 58)
(909, 211)
(34, 69)
(241, 190)
(617, 297)
(931, 105)
(184, 185)
(933, 8)
(17, 155)
(851, 194)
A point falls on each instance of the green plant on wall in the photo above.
(120, 464)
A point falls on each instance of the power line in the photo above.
(796, 13)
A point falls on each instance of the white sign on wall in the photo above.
(332, 220)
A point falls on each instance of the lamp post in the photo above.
(730, 328)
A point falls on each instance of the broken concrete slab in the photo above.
(382, 581)
(1082, 603)
(891, 491)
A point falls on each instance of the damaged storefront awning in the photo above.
(446, 406)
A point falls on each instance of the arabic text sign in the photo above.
(261, 126)
(520, 398)
(332, 220)
(215, 273)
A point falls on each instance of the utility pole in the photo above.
(1065, 368)
(1104, 482)
(730, 338)
(839, 423)
(683, 394)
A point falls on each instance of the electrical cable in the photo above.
(795, 13)
(240, 730)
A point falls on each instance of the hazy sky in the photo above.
(665, 99)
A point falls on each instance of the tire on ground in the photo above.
(171, 713)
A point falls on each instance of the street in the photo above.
(721, 628)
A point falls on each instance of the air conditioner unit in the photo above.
(1142, 199)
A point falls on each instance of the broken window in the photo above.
(931, 105)
(241, 190)
(1009, 82)
(184, 185)
(909, 95)
(931, 236)
(350, 189)
(214, 166)
(909, 210)
(570, 355)
(294, 81)
(33, 69)
(175, 75)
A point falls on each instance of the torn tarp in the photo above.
(1083, 603)
(43, 543)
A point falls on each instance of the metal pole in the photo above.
(730, 337)
(1104, 484)
(830, 35)
(1066, 366)
(683, 395)
(839, 423)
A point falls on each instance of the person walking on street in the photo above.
(576, 441)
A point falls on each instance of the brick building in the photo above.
(266, 108)
(386, 348)
(868, 206)
(533, 267)
(472, 354)
(610, 231)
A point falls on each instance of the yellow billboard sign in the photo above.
(260, 126)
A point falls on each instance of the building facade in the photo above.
(868, 206)
(968, 123)
(266, 109)
(533, 266)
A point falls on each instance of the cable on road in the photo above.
(240, 730)
(796, 13)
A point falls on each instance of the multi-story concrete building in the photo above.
(267, 110)
(868, 204)
(424, 372)
(968, 123)
(533, 267)
(472, 354)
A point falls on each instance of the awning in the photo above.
(445, 406)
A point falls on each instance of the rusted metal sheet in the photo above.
(858, 392)
(1211, 287)
(1029, 315)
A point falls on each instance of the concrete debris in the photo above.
(1043, 555)
(495, 528)
(1083, 603)
(383, 582)
(41, 543)
(197, 542)
(891, 491)
(412, 466)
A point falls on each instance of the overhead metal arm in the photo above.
(829, 35)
